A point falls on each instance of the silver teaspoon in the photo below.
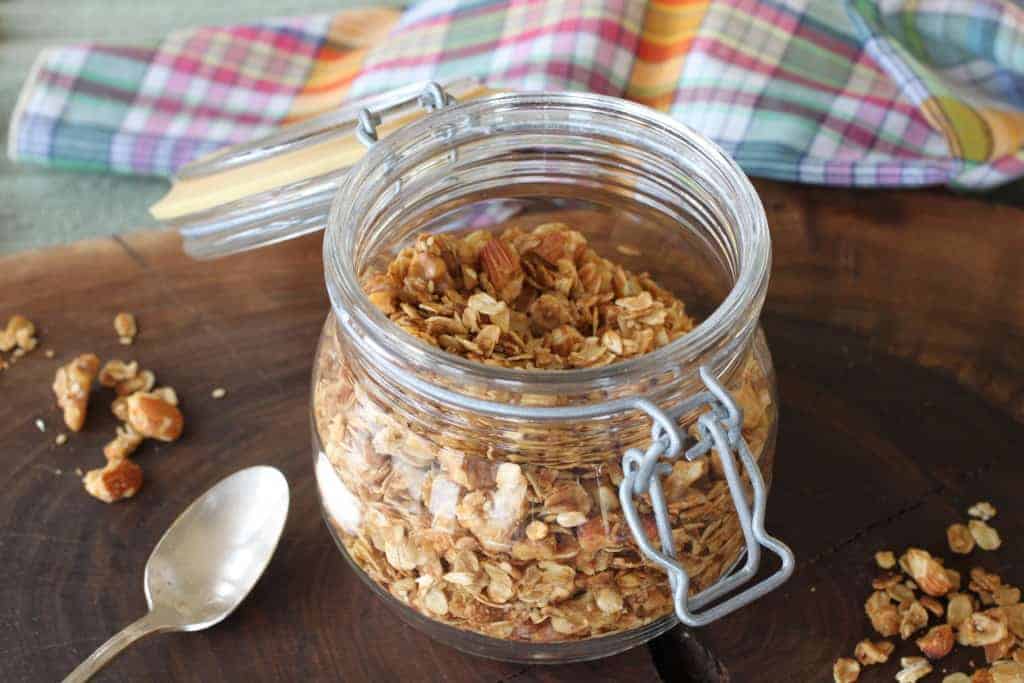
(207, 562)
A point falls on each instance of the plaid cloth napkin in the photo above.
(861, 92)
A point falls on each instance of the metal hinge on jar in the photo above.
(719, 428)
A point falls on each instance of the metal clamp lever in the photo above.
(719, 429)
(432, 98)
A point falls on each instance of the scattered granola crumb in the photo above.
(125, 442)
(960, 539)
(124, 325)
(986, 537)
(988, 615)
(120, 479)
(870, 652)
(71, 386)
(40, 425)
(61, 439)
(78, 472)
(19, 335)
(116, 371)
(153, 416)
(49, 353)
(845, 670)
(885, 559)
(928, 573)
(937, 643)
(219, 393)
(982, 510)
(628, 250)
(914, 669)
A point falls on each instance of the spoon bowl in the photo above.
(207, 561)
(213, 554)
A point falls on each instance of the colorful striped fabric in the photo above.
(861, 92)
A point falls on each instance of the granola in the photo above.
(988, 615)
(517, 536)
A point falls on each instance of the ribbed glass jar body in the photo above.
(481, 501)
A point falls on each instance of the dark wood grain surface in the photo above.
(896, 321)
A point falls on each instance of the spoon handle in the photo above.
(113, 647)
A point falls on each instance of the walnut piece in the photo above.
(71, 386)
(124, 325)
(124, 444)
(153, 417)
(143, 381)
(845, 670)
(120, 479)
(116, 371)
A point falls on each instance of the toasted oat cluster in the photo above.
(527, 299)
(147, 413)
(987, 615)
(517, 535)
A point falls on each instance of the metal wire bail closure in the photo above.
(432, 98)
(720, 429)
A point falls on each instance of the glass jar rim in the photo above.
(391, 344)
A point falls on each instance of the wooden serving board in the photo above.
(896, 320)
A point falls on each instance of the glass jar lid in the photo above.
(280, 186)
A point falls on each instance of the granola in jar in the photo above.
(518, 534)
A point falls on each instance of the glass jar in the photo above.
(490, 506)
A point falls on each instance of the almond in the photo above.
(552, 247)
(501, 264)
